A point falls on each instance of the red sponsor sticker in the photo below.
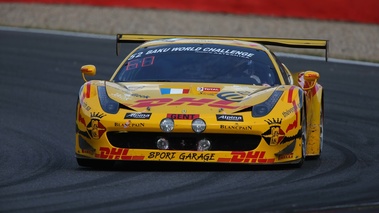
(248, 157)
(116, 154)
(183, 116)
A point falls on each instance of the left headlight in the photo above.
(110, 106)
(265, 107)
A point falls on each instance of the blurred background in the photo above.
(352, 27)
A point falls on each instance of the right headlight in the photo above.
(265, 107)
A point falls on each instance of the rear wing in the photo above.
(282, 42)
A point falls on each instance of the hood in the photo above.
(187, 97)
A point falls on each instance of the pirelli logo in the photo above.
(233, 118)
(137, 116)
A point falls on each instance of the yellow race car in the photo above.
(201, 99)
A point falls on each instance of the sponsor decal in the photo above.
(85, 106)
(88, 151)
(208, 89)
(129, 124)
(166, 91)
(183, 116)
(134, 88)
(202, 50)
(140, 96)
(288, 156)
(196, 156)
(162, 155)
(184, 101)
(134, 115)
(94, 128)
(247, 157)
(123, 96)
(274, 121)
(161, 50)
(116, 154)
(184, 156)
(236, 127)
(238, 96)
(85, 147)
(275, 134)
(231, 96)
(135, 55)
(293, 109)
(221, 117)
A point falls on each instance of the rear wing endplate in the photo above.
(282, 42)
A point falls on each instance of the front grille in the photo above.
(183, 141)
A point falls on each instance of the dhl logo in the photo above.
(185, 101)
(247, 157)
(116, 154)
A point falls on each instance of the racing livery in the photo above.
(201, 99)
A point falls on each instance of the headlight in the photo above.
(203, 145)
(110, 106)
(167, 125)
(198, 125)
(265, 107)
(162, 144)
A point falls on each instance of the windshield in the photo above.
(212, 63)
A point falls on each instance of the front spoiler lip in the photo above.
(256, 156)
(78, 156)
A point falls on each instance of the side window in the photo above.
(285, 75)
(283, 71)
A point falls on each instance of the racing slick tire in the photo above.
(303, 138)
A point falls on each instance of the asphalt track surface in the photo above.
(39, 83)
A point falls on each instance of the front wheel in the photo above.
(303, 138)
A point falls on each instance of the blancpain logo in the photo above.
(137, 115)
(229, 117)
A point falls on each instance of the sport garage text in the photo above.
(181, 156)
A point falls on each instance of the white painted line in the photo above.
(113, 37)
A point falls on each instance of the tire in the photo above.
(303, 138)
(321, 128)
(97, 164)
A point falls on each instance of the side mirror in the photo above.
(310, 78)
(88, 70)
